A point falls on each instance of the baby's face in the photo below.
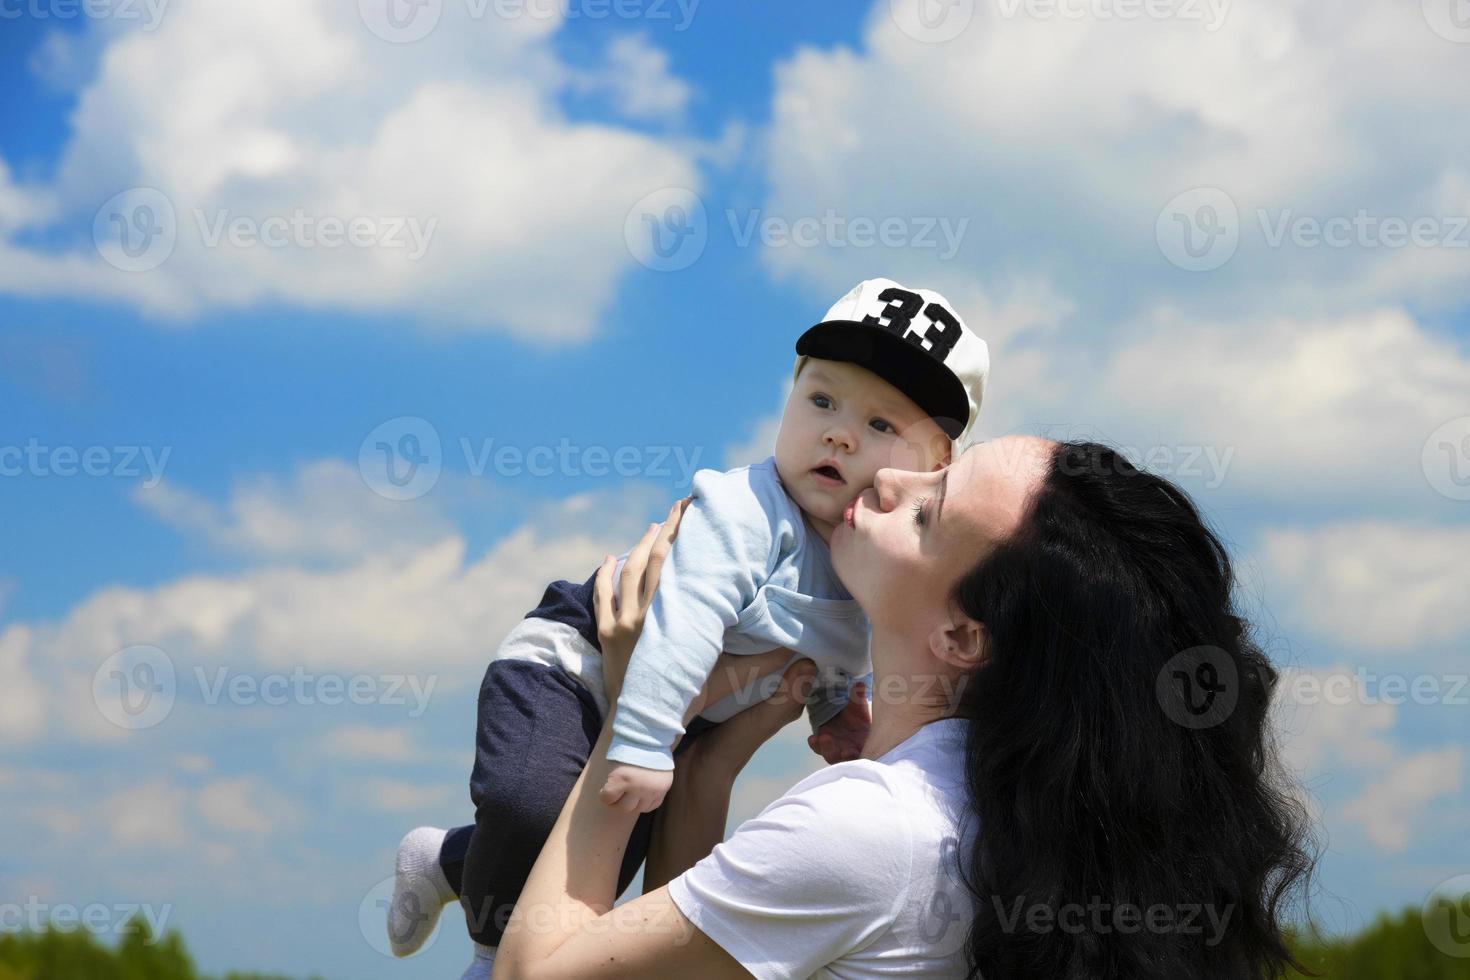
(841, 425)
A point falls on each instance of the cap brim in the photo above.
(929, 384)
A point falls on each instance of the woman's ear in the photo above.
(960, 641)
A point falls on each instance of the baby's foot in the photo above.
(482, 965)
(420, 890)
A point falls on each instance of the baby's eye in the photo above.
(883, 425)
(821, 401)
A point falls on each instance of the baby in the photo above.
(891, 377)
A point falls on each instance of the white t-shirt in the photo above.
(853, 873)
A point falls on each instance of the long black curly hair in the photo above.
(1134, 821)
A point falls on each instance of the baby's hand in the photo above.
(635, 789)
(841, 737)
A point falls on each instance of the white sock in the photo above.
(420, 890)
(482, 965)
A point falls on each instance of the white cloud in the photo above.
(1373, 585)
(325, 511)
(1339, 736)
(22, 710)
(401, 796)
(245, 805)
(1294, 409)
(152, 815)
(371, 743)
(1388, 809)
(193, 763)
(429, 613)
(270, 109)
(1063, 137)
(638, 80)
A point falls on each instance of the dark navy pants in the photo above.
(536, 728)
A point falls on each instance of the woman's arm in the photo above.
(692, 820)
(564, 925)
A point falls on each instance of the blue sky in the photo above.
(1175, 232)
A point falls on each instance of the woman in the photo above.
(1068, 772)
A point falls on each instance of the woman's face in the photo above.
(903, 544)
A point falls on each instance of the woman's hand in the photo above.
(622, 606)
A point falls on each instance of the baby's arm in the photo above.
(708, 579)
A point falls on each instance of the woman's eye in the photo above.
(919, 511)
(821, 401)
(883, 425)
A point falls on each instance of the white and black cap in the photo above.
(914, 340)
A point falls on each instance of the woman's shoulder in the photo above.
(873, 801)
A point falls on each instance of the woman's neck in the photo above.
(908, 693)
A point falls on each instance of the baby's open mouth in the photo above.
(830, 472)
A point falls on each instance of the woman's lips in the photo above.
(849, 514)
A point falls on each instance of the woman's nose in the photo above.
(886, 483)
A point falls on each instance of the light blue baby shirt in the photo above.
(746, 574)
